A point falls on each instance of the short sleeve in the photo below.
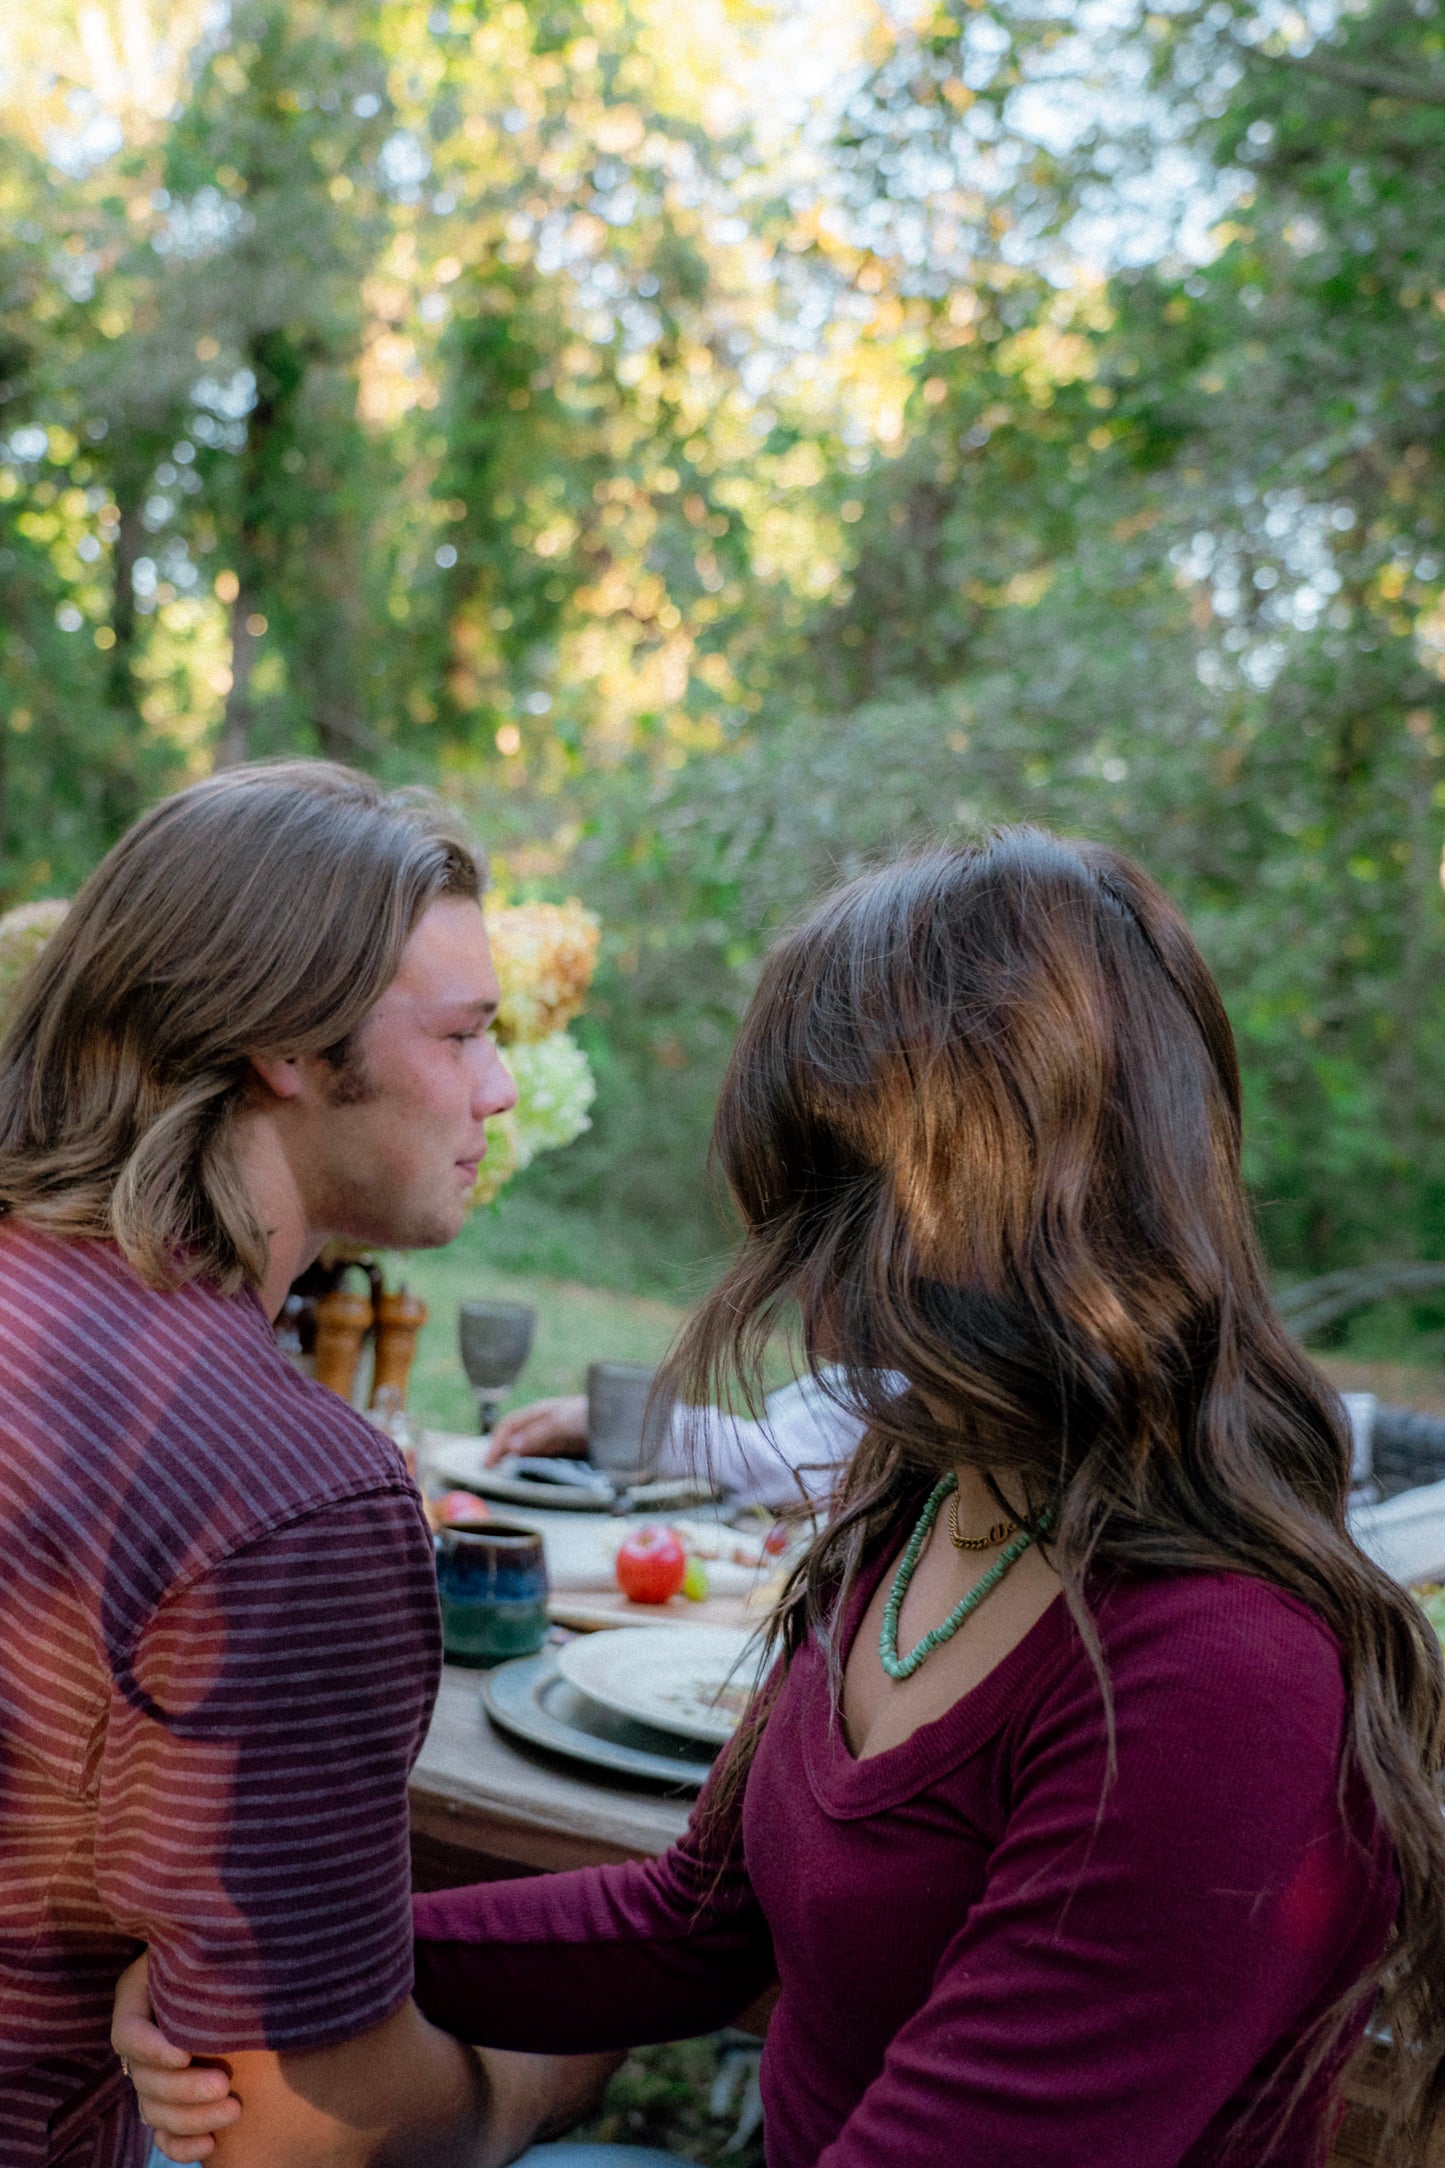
(252, 1822)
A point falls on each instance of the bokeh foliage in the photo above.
(498, 396)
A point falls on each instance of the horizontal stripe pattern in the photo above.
(218, 1651)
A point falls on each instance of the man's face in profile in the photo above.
(388, 1144)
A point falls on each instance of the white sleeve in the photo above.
(794, 1452)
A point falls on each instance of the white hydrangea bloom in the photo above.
(555, 1088)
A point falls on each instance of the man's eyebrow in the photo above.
(481, 1007)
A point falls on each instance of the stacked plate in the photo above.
(654, 1703)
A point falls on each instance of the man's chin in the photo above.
(434, 1233)
(421, 1230)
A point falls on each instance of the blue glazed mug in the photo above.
(492, 1580)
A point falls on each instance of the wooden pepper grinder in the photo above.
(399, 1319)
(342, 1323)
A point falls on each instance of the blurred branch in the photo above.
(1378, 82)
(1316, 1303)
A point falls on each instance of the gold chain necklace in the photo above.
(903, 1667)
(999, 1533)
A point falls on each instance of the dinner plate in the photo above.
(542, 1497)
(694, 1680)
(461, 1461)
(530, 1699)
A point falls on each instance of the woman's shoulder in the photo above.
(1229, 1610)
(1226, 1649)
(1206, 1696)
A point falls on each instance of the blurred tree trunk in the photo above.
(279, 367)
(120, 672)
(235, 741)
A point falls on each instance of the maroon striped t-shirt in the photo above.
(218, 1653)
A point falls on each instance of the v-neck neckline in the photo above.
(847, 1787)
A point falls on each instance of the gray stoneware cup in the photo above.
(496, 1339)
(621, 1439)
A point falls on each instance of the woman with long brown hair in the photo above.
(1090, 1804)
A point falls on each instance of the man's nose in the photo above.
(495, 1091)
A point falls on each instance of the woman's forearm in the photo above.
(602, 1958)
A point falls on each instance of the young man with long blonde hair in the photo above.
(262, 1024)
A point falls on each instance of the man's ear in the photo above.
(284, 1076)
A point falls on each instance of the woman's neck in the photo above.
(978, 1506)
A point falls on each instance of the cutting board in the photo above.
(588, 1609)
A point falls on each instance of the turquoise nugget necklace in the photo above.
(903, 1667)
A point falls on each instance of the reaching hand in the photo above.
(185, 2103)
(543, 1428)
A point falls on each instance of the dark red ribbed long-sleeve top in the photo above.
(990, 1957)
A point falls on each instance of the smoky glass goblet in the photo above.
(495, 1339)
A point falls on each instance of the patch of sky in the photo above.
(75, 274)
(641, 328)
(618, 206)
(1280, 551)
(28, 444)
(199, 225)
(230, 400)
(178, 567)
(94, 137)
(1262, 663)
(403, 164)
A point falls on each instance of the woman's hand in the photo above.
(184, 2102)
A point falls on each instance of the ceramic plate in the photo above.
(694, 1680)
(530, 1699)
(459, 1461)
(520, 1490)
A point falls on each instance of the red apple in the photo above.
(455, 1508)
(651, 1565)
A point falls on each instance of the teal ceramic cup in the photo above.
(492, 1581)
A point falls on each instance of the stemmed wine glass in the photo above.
(496, 1339)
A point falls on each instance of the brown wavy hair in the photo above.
(261, 911)
(982, 1123)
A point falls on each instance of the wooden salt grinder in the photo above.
(400, 1318)
(342, 1323)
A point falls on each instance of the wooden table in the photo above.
(483, 1807)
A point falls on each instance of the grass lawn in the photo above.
(537, 1260)
(576, 1325)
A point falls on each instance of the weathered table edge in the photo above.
(472, 1788)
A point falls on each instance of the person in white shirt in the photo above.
(793, 1454)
